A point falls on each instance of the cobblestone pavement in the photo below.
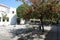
(51, 33)
(42, 36)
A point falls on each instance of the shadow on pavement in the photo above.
(52, 34)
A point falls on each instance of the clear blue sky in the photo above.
(11, 3)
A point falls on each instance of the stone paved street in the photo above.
(51, 33)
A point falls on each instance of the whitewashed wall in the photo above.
(12, 16)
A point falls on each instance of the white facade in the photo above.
(7, 15)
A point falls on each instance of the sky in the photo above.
(11, 3)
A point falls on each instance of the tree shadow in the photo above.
(47, 36)
(52, 34)
(28, 33)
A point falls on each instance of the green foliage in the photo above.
(4, 15)
(20, 10)
(49, 10)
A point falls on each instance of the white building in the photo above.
(7, 15)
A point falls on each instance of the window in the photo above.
(3, 19)
(0, 18)
(13, 12)
(7, 19)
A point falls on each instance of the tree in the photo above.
(21, 10)
(44, 10)
(4, 15)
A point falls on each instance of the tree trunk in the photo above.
(42, 25)
(39, 26)
(41, 17)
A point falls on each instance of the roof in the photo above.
(3, 5)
